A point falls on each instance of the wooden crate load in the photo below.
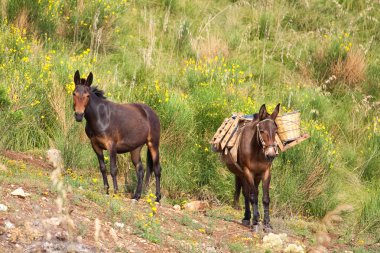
(227, 136)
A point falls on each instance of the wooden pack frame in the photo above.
(227, 137)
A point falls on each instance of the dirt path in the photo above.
(118, 224)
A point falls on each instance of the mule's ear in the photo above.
(77, 78)
(89, 79)
(263, 112)
(275, 112)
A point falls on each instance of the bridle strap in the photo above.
(261, 140)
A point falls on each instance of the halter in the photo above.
(261, 140)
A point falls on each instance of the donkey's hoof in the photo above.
(246, 222)
(255, 228)
(136, 196)
(268, 228)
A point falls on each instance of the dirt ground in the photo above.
(87, 220)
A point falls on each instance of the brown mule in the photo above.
(256, 152)
(118, 128)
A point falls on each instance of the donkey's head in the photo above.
(266, 132)
(81, 94)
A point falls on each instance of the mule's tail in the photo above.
(149, 165)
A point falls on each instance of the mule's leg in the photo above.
(113, 169)
(149, 169)
(102, 166)
(238, 186)
(255, 203)
(136, 159)
(247, 206)
(155, 155)
(266, 201)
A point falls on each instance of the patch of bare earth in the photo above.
(103, 223)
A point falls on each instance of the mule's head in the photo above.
(266, 132)
(81, 95)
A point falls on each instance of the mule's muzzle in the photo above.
(79, 116)
(270, 158)
(271, 153)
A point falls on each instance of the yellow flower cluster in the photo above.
(319, 130)
(215, 71)
(74, 176)
(150, 199)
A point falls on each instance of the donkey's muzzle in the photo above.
(271, 153)
(79, 116)
(269, 158)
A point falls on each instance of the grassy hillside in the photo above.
(196, 62)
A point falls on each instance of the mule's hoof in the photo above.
(136, 196)
(246, 222)
(268, 228)
(255, 228)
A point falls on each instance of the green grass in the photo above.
(196, 62)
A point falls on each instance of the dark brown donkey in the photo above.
(256, 151)
(118, 128)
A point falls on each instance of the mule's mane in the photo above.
(98, 92)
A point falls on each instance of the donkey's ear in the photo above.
(263, 112)
(275, 112)
(77, 78)
(89, 79)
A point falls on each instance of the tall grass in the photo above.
(195, 63)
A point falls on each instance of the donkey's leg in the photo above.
(247, 206)
(238, 186)
(255, 204)
(136, 159)
(102, 165)
(113, 169)
(155, 155)
(266, 201)
(149, 169)
(255, 197)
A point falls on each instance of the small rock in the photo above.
(294, 248)
(177, 207)
(3, 208)
(20, 193)
(119, 224)
(273, 241)
(9, 225)
(133, 201)
(44, 198)
(210, 250)
(196, 206)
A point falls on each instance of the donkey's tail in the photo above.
(149, 164)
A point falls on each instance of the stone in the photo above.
(196, 206)
(177, 207)
(20, 193)
(3, 208)
(9, 225)
(119, 225)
